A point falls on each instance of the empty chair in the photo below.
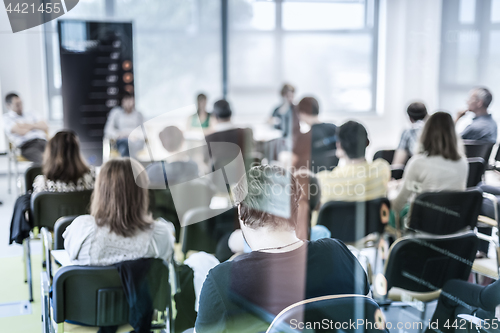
(351, 221)
(94, 296)
(30, 175)
(478, 149)
(477, 166)
(331, 313)
(387, 155)
(420, 266)
(443, 213)
(204, 235)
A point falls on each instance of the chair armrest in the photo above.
(494, 201)
(487, 220)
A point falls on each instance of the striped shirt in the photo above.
(355, 182)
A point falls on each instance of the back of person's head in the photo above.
(417, 111)
(268, 197)
(484, 95)
(201, 97)
(222, 110)
(309, 106)
(62, 159)
(171, 138)
(286, 89)
(117, 201)
(439, 137)
(353, 139)
(9, 97)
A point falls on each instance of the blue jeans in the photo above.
(122, 146)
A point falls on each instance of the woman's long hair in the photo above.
(439, 137)
(118, 201)
(62, 159)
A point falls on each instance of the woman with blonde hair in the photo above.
(119, 227)
(439, 165)
(63, 168)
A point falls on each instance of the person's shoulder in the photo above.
(84, 219)
(325, 243)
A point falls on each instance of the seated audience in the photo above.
(226, 131)
(119, 227)
(461, 297)
(24, 130)
(122, 120)
(417, 112)
(202, 117)
(64, 169)
(281, 269)
(438, 166)
(483, 127)
(357, 179)
(179, 167)
(280, 117)
(323, 136)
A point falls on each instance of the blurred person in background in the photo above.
(24, 130)
(417, 112)
(122, 120)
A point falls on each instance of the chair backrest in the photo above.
(387, 155)
(59, 229)
(477, 166)
(351, 221)
(30, 175)
(443, 213)
(481, 149)
(424, 264)
(93, 295)
(47, 207)
(337, 311)
(204, 235)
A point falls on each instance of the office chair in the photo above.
(30, 175)
(446, 212)
(477, 166)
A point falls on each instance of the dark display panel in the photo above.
(96, 69)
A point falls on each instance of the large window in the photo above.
(326, 48)
(470, 50)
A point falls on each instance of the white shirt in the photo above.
(430, 174)
(89, 244)
(11, 118)
(120, 124)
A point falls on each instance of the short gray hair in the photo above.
(484, 95)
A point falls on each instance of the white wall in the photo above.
(22, 65)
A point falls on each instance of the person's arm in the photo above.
(21, 128)
(110, 131)
(164, 238)
(212, 314)
(400, 157)
(460, 114)
(76, 234)
(41, 125)
(407, 188)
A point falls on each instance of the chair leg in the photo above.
(16, 175)
(10, 174)
(28, 268)
(25, 260)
